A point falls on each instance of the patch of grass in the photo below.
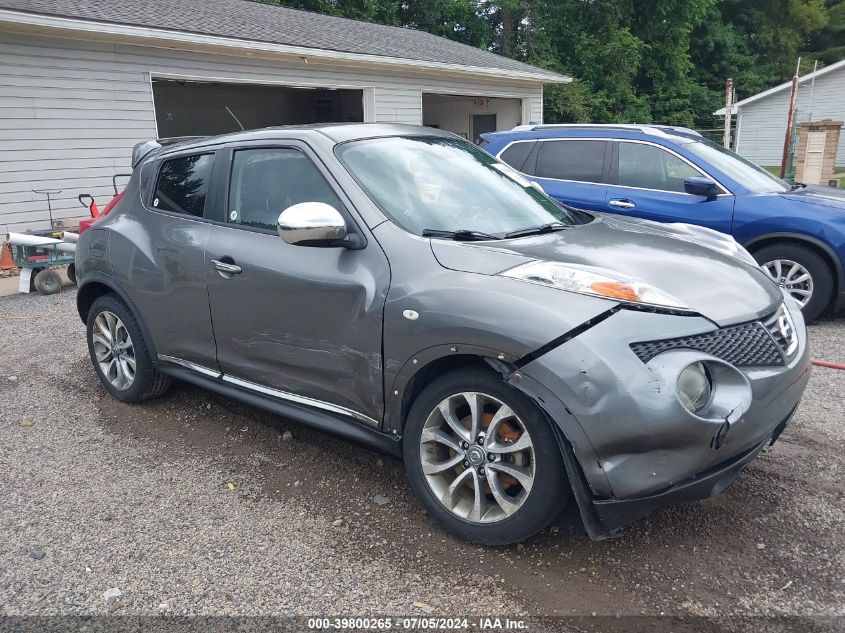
(775, 171)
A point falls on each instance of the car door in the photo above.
(296, 322)
(573, 171)
(647, 181)
(163, 258)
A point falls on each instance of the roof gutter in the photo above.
(198, 42)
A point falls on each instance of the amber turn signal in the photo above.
(615, 290)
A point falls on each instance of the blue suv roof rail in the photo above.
(657, 130)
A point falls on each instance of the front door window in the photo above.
(649, 167)
(267, 181)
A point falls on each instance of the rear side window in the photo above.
(582, 161)
(517, 154)
(265, 182)
(183, 184)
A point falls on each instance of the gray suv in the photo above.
(400, 287)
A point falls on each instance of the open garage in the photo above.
(199, 108)
(471, 116)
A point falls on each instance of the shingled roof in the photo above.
(258, 22)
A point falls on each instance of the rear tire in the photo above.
(821, 277)
(130, 381)
(48, 282)
(506, 511)
(71, 273)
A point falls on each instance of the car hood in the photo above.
(700, 267)
(816, 194)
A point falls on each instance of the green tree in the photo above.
(631, 60)
(827, 44)
(666, 73)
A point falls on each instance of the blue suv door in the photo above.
(647, 181)
(574, 171)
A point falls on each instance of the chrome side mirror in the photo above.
(312, 224)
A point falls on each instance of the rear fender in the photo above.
(101, 280)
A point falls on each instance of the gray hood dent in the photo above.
(696, 265)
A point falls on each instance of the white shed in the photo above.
(81, 82)
(761, 119)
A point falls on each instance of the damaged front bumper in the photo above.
(631, 444)
(614, 513)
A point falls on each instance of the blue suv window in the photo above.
(649, 167)
(517, 153)
(579, 160)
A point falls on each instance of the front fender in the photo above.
(431, 309)
(487, 317)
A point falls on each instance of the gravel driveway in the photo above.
(195, 504)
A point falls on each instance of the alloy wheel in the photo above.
(114, 350)
(477, 457)
(792, 277)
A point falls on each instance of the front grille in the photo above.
(755, 344)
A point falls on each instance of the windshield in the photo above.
(430, 184)
(750, 176)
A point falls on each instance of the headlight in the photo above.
(594, 281)
(694, 387)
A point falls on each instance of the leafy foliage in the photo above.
(633, 60)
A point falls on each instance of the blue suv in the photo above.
(670, 174)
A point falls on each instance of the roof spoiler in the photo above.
(143, 149)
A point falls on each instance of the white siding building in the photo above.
(82, 82)
(761, 119)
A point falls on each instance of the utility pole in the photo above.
(729, 100)
(790, 120)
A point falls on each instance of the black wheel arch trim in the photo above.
(115, 286)
(839, 269)
(397, 387)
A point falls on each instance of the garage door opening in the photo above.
(470, 116)
(194, 108)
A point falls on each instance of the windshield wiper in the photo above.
(551, 227)
(798, 185)
(461, 235)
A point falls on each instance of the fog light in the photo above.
(694, 387)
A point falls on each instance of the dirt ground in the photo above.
(771, 545)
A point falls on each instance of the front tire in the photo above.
(482, 458)
(802, 273)
(120, 354)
